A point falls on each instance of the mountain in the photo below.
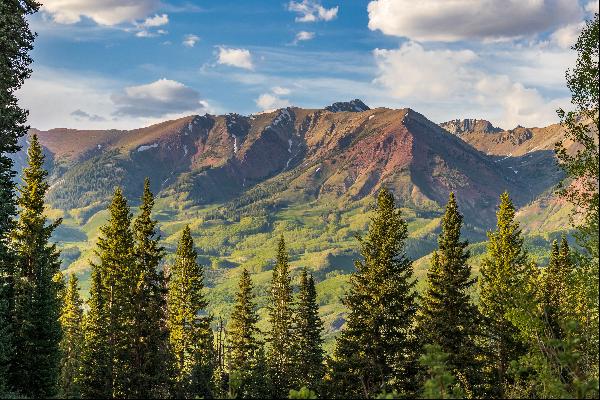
(462, 126)
(310, 174)
(345, 151)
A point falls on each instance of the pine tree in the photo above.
(375, 351)
(190, 334)
(309, 351)
(440, 383)
(96, 379)
(37, 303)
(243, 341)
(71, 344)
(447, 317)
(505, 271)
(16, 40)
(116, 276)
(151, 352)
(280, 355)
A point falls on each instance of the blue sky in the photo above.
(130, 63)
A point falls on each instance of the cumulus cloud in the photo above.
(566, 37)
(240, 58)
(280, 91)
(592, 6)
(449, 21)
(82, 115)
(312, 11)
(190, 40)
(453, 77)
(105, 12)
(157, 99)
(303, 35)
(157, 20)
(268, 101)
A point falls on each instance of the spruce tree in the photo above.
(375, 350)
(190, 334)
(447, 317)
(71, 344)
(243, 342)
(505, 273)
(96, 359)
(37, 330)
(309, 351)
(151, 352)
(116, 275)
(16, 40)
(280, 355)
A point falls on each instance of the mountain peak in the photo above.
(355, 105)
(462, 126)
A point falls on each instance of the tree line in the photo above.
(145, 330)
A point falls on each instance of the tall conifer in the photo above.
(71, 344)
(375, 351)
(37, 295)
(151, 352)
(16, 40)
(190, 335)
(116, 277)
(243, 342)
(505, 271)
(309, 351)
(447, 316)
(280, 355)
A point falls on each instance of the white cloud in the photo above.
(157, 20)
(312, 11)
(448, 21)
(240, 58)
(304, 35)
(592, 7)
(280, 91)
(190, 40)
(566, 37)
(432, 79)
(103, 12)
(157, 99)
(268, 101)
(149, 34)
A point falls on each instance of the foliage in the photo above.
(447, 316)
(303, 393)
(190, 335)
(375, 350)
(440, 384)
(36, 328)
(280, 352)
(71, 344)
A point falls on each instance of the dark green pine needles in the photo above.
(190, 334)
(280, 354)
(36, 327)
(71, 344)
(447, 317)
(245, 358)
(375, 351)
(308, 328)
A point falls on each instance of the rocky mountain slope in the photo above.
(343, 152)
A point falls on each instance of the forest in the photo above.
(519, 330)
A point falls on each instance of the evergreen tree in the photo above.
(37, 330)
(71, 344)
(440, 383)
(375, 351)
(447, 317)
(116, 275)
(309, 351)
(280, 355)
(16, 40)
(244, 344)
(151, 352)
(96, 379)
(505, 273)
(190, 334)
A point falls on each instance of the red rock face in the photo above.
(314, 153)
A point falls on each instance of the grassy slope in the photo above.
(320, 236)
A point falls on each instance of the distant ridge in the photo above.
(355, 105)
(462, 126)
